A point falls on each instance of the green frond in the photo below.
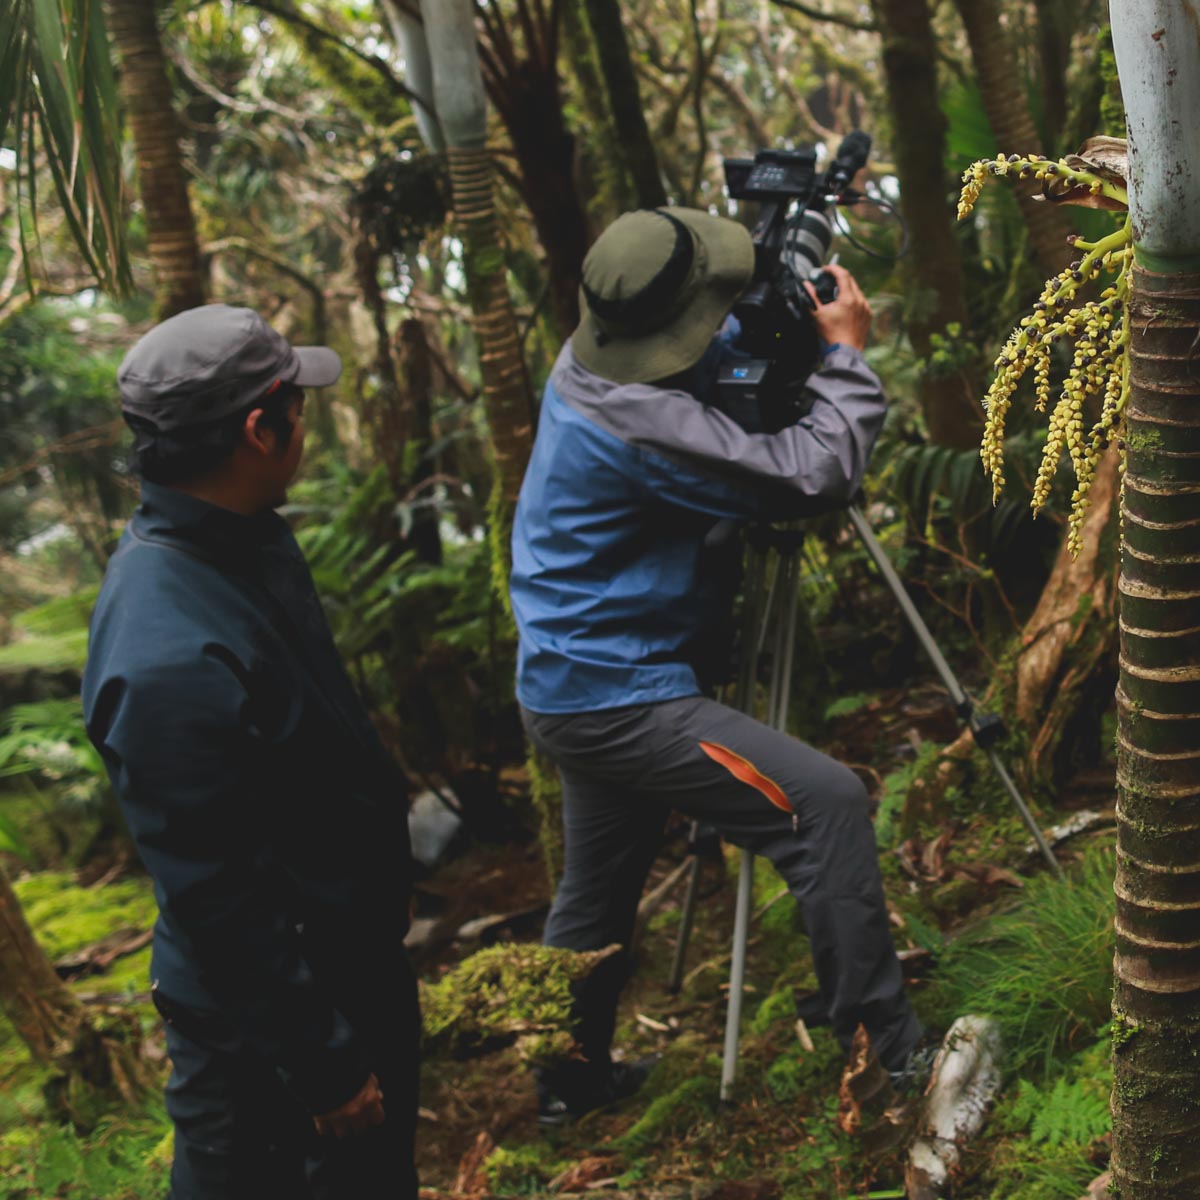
(58, 100)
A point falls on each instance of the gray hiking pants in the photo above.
(624, 769)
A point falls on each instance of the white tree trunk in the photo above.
(1157, 44)
(458, 92)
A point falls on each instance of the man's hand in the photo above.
(846, 319)
(357, 1115)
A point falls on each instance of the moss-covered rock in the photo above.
(509, 993)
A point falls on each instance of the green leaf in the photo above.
(10, 840)
(58, 100)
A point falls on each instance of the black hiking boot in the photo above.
(568, 1092)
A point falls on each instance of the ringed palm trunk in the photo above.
(1156, 997)
(1004, 99)
(162, 180)
(910, 66)
(93, 1053)
(459, 100)
(1156, 993)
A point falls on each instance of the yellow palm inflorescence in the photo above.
(1098, 327)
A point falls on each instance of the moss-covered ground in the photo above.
(981, 928)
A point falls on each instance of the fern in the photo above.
(1073, 1111)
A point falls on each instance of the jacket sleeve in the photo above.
(696, 456)
(186, 757)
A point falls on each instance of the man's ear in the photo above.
(258, 436)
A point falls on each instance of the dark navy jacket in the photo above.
(266, 810)
(613, 583)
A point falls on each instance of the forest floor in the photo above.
(980, 925)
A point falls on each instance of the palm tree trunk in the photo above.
(949, 399)
(1156, 997)
(94, 1053)
(1007, 107)
(162, 180)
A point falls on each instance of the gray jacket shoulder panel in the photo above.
(823, 455)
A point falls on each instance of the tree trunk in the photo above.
(146, 91)
(507, 400)
(1156, 992)
(948, 398)
(1156, 998)
(633, 142)
(93, 1054)
(607, 176)
(1001, 86)
(417, 366)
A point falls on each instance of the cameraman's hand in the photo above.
(846, 319)
(357, 1115)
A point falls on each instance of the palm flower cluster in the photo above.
(1098, 327)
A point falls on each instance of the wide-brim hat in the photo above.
(210, 362)
(657, 285)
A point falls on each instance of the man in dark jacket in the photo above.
(269, 815)
(631, 475)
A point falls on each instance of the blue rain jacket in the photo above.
(612, 587)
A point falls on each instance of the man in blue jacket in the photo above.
(270, 817)
(630, 475)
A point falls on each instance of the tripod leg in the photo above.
(737, 975)
(961, 700)
(685, 924)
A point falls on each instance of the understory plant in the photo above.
(1096, 324)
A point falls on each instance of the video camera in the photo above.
(763, 392)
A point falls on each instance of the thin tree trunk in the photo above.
(506, 390)
(94, 1053)
(633, 143)
(1156, 997)
(417, 365)
(1004, 99)
(950, 398)
(162, 180)
(611, 184)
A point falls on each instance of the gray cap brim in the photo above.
(318, 366)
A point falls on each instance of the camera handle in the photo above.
(779, 599)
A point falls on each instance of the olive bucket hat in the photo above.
(657, 284)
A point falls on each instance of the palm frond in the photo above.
(58, 101)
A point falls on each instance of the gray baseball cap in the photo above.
(209, 362)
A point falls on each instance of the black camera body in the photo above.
(765, 391)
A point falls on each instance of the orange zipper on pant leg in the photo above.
(743, 769)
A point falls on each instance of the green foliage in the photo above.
(814, 1168)
(796, 1074)
(672, 1115)
(844, 706)
(1044, 969)
(514, 992)
(1052, 1131)
(896, 786)
(67, 917)
(126, 1157)
(521, 1170)
(58, 99)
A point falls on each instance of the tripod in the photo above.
(771, 612)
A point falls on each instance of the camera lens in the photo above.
(809, 238)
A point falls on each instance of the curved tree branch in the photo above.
(832, 18)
